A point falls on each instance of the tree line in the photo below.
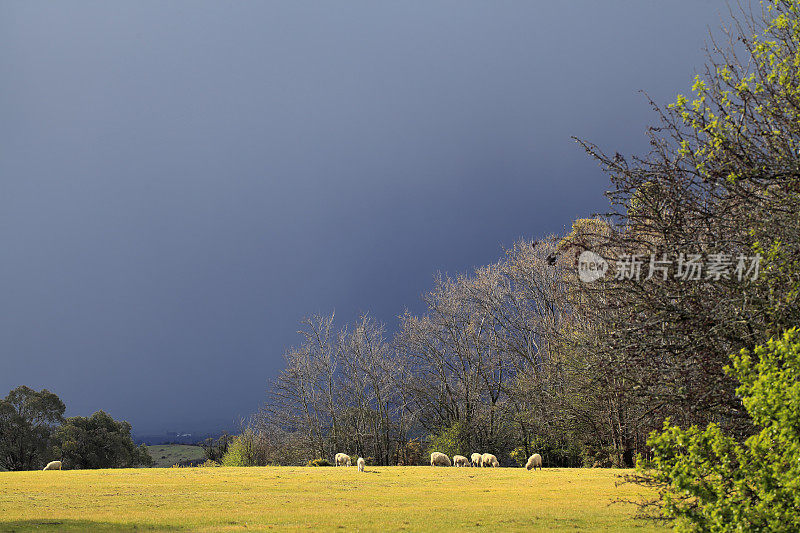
(523, 355)
(33, 432)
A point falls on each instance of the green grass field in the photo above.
(166, 455)
(303, 498)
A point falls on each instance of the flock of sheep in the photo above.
(440, 459)
(480, 459)
(437, 459)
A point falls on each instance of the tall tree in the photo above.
(371, 382)
(721, 184)
(27, 420)
(304, 396)
(99, 441)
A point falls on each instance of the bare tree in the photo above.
(304, 395)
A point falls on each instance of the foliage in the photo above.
(250, 448)
(27, 420)
(709, 482)
(319, 462)
(235, 456)
(559, 449)
(451, 440)
(519, 455)
(98, 441)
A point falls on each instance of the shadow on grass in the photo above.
(56, 524)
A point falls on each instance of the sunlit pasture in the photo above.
(304, 498)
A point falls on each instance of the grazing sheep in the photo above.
(534, 461)
(460, 460)
(488, 459)
(53, 465)
(439, 459)
(342, 459)
(360, 464)
(476, 459)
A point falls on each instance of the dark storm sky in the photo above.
(181, 182)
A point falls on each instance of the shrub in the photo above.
(319, 462)
(235, 455)
(251, 448)
(519, 455)
(707, 481)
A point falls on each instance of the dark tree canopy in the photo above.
(99, 441)
(27, 420)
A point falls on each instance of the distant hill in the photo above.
(166, 455)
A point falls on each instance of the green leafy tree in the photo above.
(99, 441)
(27, 420)
(707, 481)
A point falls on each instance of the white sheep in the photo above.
(488, 459)
(476, 459)
(534, 461)
(53, 465)
(360, 464)
(439, 459)
(460, 460)
(342, 459)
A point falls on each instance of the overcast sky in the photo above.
(181, 182)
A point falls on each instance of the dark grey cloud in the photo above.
(181, 182)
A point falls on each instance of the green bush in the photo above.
(452, 440)
(251, 448)
(709, 482)
(319, 462)
(235, 455)
(519, 455)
